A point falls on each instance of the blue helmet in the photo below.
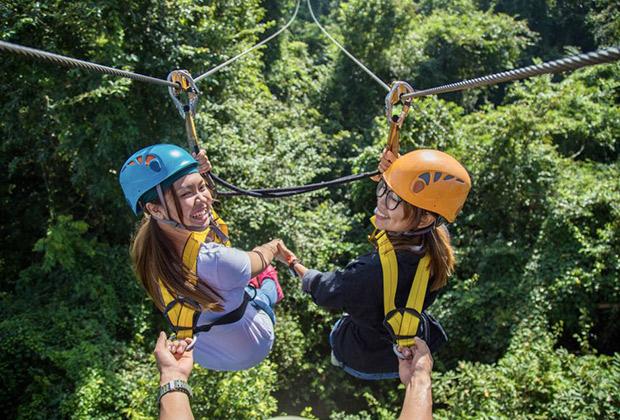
(151, 166)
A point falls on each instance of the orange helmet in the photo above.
(431, 180)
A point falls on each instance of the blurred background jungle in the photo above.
(532, 311)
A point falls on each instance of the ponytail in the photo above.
(437, 242)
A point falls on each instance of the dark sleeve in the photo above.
(354, 285)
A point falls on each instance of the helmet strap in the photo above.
(160, 194)
(416, 232)
(178, 225)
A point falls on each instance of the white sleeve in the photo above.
(222, 267)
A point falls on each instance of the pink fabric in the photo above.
(269, 273)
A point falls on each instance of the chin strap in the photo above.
(212, 223)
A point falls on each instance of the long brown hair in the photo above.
(154, 257)
(435, 242)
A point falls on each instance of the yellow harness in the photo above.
(182, 313)
(402, 323)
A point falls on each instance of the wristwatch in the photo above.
(175, 385)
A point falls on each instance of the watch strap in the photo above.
(175, 385)
(291, 266)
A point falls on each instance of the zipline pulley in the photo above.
(185, 97)
(395, 121)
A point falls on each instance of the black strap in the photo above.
(423, 327)
(230, 317)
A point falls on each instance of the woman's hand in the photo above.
(172, 360)
(284, 255)
(387, 158)
(203, 161)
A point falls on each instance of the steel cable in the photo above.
(264, 41)
(355, 60)
(556, 66)
(72, 62)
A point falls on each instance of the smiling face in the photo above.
(194, 201)
(396, 215)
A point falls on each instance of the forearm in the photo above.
(300, 270)
(418, 403)
(261, 257)
(174, 405)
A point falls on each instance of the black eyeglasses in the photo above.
(392, 200)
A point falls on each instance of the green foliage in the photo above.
(543, 212)
(455, 43)
(533, 380)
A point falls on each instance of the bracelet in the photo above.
(174, 385)
(262, 258)
(291, 265)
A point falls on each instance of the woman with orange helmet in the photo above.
(414, 193)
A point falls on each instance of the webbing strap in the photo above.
(182, 313)
(230, 317)
(401, 322)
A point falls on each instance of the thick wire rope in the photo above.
(556, 66)
(238, 56)
(286, 191)
(72, 62)
(355, 60)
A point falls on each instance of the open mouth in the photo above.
(380, 215)
(200, 215)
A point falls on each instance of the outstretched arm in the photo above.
(415, 373)
(261, 256)
(173, 363)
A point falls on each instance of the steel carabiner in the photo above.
(397, 90)
(186, 92)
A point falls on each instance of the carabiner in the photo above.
(190, 345)
(186, 85)
(397, 90)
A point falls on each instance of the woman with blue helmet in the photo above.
(181, 258)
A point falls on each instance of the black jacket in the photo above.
(360, 340)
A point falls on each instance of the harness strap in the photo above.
(182, 313)
(402, 323)
(229, 318)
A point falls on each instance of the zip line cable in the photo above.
(264, 41)
(65, 61)
(556, 66)
(564, 64)
(355, 60)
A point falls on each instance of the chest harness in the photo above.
(403, 324)
(182, 313)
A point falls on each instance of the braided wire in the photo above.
(344, 50)
(65, 61)
(264, 41)
(286, 191)
(556, 66)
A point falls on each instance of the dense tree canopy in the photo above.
(532, 311)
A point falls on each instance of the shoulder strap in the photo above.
(182, 313)
(402, 323)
